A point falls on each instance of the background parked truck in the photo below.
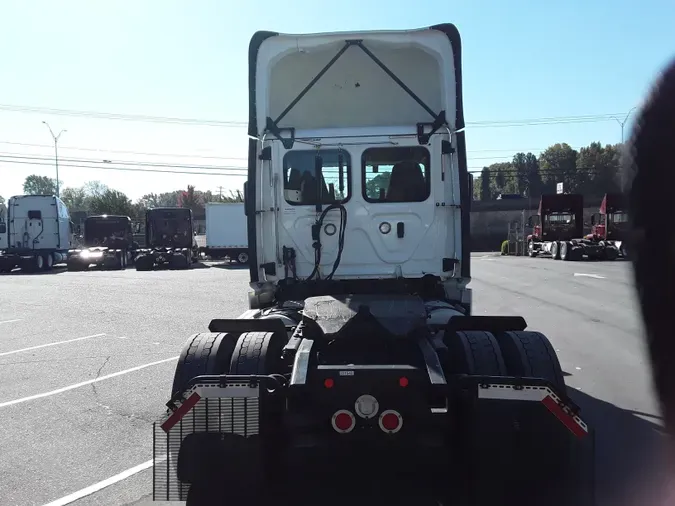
(38, 233)
(558, 231)
(107, 243)
(169, 240)
(610, 225)
(226, 232)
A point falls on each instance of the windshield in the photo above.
(618, 218)
(559, 219)
(105, 232)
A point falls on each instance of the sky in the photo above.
(95, 61)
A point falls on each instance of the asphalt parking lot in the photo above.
(87, 360)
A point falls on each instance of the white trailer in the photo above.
(38, 233)
(226, 231)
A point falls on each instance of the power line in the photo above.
(132, 163)
(130, 169)
(551, 120)
(122, 117)
(235, 171)
(144, 153)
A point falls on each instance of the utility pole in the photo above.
(220, 193)
(56, 154)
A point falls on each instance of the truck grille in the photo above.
(234, 409)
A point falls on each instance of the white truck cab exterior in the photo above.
(39, 233)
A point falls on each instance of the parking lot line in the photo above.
(101, 485)
(50, 344)
(84, 383)
(12, 321)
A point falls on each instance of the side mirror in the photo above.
(595, 219)
(530, 221)
(3, 228)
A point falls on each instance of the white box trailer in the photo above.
(226, 231)
(38, 233)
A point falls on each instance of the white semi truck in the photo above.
(226, 231)
(36, 234)
(359, 362)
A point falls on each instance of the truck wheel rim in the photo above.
(50, 261)
(243, 258)
(40, 262)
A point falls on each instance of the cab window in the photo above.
(396, 174)
(300, 181)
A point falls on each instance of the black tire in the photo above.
(530, 249)
(530, 354)
(258, 353)
(178, 261)
(565, 250)
(555, 250)
(611, 253)
(204, 353)
(474, 352)
(144, 263)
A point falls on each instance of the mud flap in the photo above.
(211, 442)
(527, 448)
(205, 458)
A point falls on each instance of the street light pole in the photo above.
(56, 154)
(623, 123)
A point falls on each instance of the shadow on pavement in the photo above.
(628, 449)
(231, 266)
(200, 265)
(18, 272)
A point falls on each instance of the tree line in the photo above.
(95, 198)
(592, 171)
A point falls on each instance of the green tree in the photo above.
(532, 176)
(39, 185)
(95, 188)
(168, 199)
(191, 199)
(600, 166)
(502, 182)
(520, 172)
(76, 199)
(558, 164)
(111, 202)
(485, 192)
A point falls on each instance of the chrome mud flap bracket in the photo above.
(526, 444)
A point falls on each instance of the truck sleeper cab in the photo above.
(169, 240)
(38, 233)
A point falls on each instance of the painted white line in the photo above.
(596, 276)
(12, 321)
(50, 344)
(84, 383)
(101, 485)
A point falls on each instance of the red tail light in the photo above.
(390, 421)
(343, 421)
